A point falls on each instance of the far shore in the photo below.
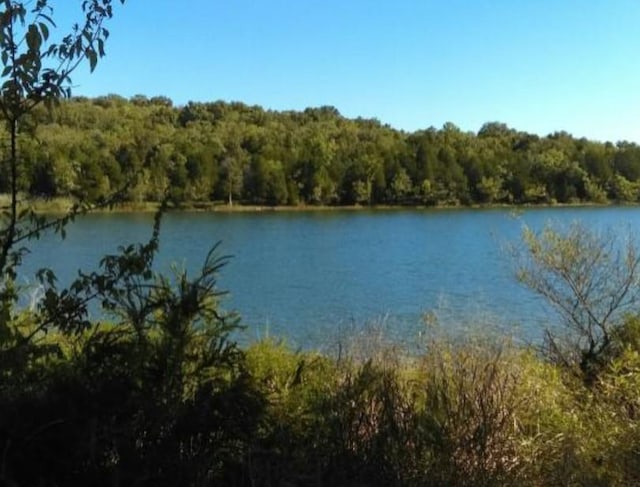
(64, 205)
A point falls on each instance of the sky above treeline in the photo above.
(537, 65)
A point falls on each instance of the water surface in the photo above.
(309, 275)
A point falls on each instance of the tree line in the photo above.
(88, 148)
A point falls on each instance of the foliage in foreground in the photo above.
(461, 413)
(167, 405)
(158, 397)
(592, 280)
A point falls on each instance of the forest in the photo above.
(145, 148)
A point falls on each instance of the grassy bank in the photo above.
(63, 205)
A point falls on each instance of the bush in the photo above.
(592, 280)
(161, 397)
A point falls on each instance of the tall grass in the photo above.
(462, 411)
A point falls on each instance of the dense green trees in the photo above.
(232, 152)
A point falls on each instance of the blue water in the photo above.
(308, 275)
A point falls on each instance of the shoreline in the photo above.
(63, 205)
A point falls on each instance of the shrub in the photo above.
(592, 280)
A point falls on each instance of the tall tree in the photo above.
(37, 70)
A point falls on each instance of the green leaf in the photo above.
(34, 41)
(93, 58)
(48, 19)
(44, 30)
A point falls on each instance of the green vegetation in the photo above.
(463, 412)
(233, 153)
(167, 405)
(593, 281)
(155, 393)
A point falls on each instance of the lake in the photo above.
(314, 276)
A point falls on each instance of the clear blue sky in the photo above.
(537, 65)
